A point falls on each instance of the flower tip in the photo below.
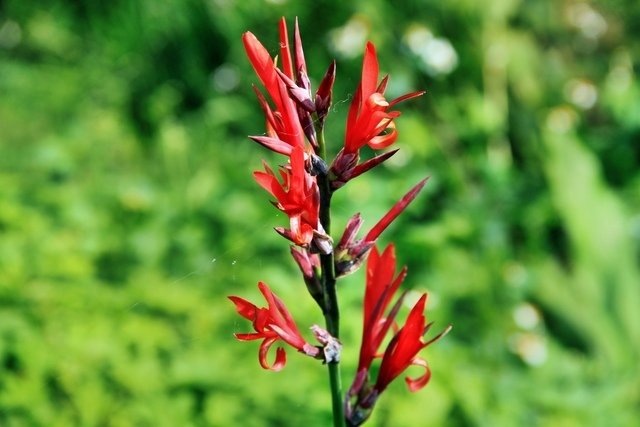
(418, 187)
(249, 38)
(370, 47)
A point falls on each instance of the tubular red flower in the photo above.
(283, 123)
(369, 121)
(380, 289)
(403, 350)
(297, 196)
(272, 324)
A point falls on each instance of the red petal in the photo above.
(350, 231)
(281, 356)
(369, 71)
(291, 337)
(273, 144)
(299, 53)
(370, 164)
(394, 212)
(284, 49)
(244, 307)
(326, 86)
(383, 141)
(418, 383)
(249, 337)
(406, 97)
(262, 62)
(270, 183)
(351, 145)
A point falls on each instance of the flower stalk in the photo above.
(303, 187)
(331, 310)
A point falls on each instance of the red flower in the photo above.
(380, 288)
(368, 115)
(272, 323)
(283, 124)
(369, 123)
(401, 352)
(403, 349)
(290, 91)
(297, 196)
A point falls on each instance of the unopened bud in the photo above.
(323, 94)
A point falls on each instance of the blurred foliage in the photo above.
(128, 211)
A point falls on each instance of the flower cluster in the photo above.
(402, 350)
(302, 187)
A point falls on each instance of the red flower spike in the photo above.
(272, 324)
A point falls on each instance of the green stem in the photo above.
(330, 310)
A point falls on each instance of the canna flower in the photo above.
(350, 253)
(298, 197)
(380, 289)
(369, 121)
(272, 324)
(401, 352)
(284, 130)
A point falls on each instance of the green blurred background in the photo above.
(128, 212)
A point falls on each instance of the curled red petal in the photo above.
(281, 356)
(416, 384)
(249, 337)
(383, 141)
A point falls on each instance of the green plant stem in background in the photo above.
(330, 309)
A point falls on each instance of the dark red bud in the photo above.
(323, 94)
(299, 95)
(341, 168)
